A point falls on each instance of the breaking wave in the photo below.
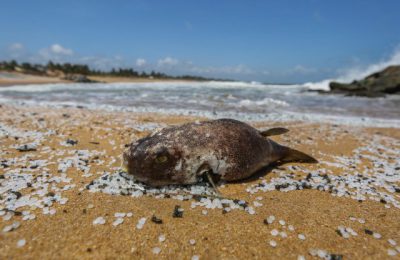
(128, 86)
(264, 102)
(356, 73)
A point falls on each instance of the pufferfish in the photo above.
(223, 149)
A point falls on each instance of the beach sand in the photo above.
(69, 233)
(14, 78)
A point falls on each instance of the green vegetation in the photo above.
(58, 69)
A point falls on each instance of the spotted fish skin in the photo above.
(181, 154)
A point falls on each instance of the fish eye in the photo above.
(161, 159)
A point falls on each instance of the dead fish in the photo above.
(225, 149)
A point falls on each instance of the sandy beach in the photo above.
(287, 212)
(14, 78)
(200, 130)
(10, 79)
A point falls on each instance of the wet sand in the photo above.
(312, 214)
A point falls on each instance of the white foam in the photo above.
(238, 100)
(357, 72)
(263, 102)
(320, 85)
(131, 85)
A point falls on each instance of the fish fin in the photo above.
(206, 171)
(274, 131)
(210, 179)
(292, 155)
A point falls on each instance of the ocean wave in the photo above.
(226, 85)
(130, 85)
(281, 116)
(321, 85)
(356, 73)
(263, 102)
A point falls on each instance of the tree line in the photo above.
(82, 69)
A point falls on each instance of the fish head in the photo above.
(155, 161)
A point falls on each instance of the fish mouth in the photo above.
(152, 182)
(125, 161)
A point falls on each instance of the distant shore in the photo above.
(15, 78)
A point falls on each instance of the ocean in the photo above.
(240, 100)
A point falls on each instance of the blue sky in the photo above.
(270, 41)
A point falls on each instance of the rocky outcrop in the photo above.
(55, 73)
(377, 84)
(78, 78)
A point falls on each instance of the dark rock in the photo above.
(335, 257)
(71, 142)
(156, 220)
(368, 232)
(377, 84)
(17, 213)
(27, 148)
(178, 212)
(17, 194)
(78, 78)
(339, 232)
(50, 194)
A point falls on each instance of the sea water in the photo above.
(240, 100)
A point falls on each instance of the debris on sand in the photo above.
(27, 148)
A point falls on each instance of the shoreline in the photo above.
(369, 118)
(306, 221)
(16, 79)
(343, 121)
(13, 79)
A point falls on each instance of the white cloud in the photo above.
(235, 70)
(16, 50)
(167, 61)
(102, 63)
(140, 62)
(55, 51)
(16, 47)
(303, 69)
(58, 49)
(118, 57)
